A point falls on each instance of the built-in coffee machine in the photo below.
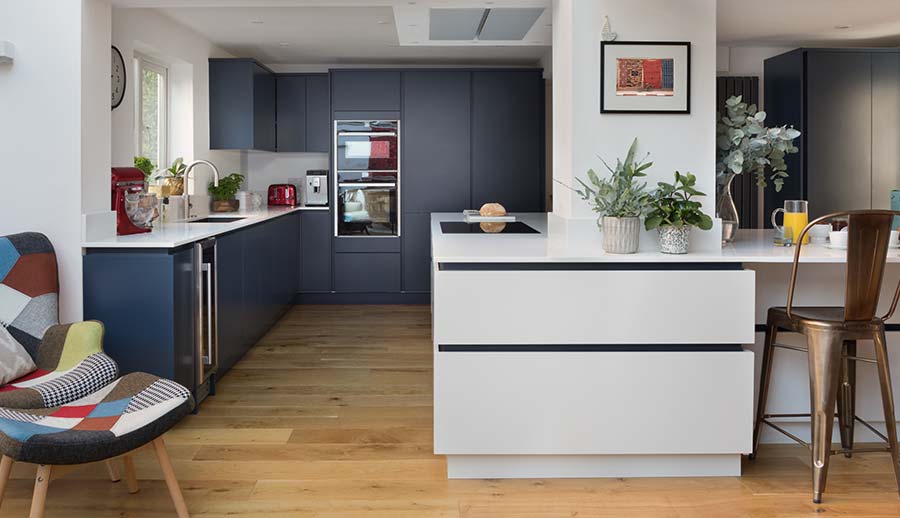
(315, 192)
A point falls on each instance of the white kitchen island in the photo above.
(554, 359)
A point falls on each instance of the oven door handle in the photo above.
(364, 184)
(366, 134)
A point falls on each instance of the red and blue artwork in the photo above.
(645, 77)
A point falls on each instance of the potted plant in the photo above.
(146, 166)
(620, 200)
(172, 184)
(223, 194)
(745, 145)
(673, 212)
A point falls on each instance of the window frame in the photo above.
(142, 62)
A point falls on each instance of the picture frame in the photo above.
(645, 77)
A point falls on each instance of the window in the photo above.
(150, 110)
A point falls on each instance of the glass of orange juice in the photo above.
(796, 216)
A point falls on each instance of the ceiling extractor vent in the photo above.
(503, 24)
(455, 24)
(509, 23)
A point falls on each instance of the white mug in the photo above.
(838, 239)
(819, 233)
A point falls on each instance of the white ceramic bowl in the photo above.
(819, 233)
(838, 239)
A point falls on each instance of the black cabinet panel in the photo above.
(318, 113)
(230, 104)
(783, 105)
(367, 273)
(365, 90)
(292, 115)
(230, 284)
(436, 141)
(507, 139)
(263, 109)
(885, 128)
(839, 131)
(315, 250)
(417, 253)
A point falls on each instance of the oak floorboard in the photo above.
(330, 416)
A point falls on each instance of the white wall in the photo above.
(581, 132)
(747, 61)
(186, 54)
(53, 146)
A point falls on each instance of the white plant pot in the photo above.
(621, 235)
(674, 240)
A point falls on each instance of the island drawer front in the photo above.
(595, 403)
(594, 307)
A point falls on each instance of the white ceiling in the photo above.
(396, 31)
(809, 22)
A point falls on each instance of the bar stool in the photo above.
(831, 334)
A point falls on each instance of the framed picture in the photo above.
(645, 77)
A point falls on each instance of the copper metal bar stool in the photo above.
(831, 334)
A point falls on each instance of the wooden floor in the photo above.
(330, 415)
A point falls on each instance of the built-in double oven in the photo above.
(367, 178)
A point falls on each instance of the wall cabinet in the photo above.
(146, 298)
(241, 105)
(365, 90)
(304, 113)
(846, 103)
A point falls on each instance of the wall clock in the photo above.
(117, 78)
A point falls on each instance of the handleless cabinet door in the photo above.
(436, 150)
(417, 253)
(839, 131)
(230, 104)
(263, 109)
(315, 250)
(885, 127)
(365, 90)
(318, 114)
(291, 113)
(507, 139)
(233, 341)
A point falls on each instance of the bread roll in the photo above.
(492, 228)
(492, 209)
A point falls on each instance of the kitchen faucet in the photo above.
(187, 172)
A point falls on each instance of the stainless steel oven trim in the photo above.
(364, 184)
(337, 185)
(365, 133)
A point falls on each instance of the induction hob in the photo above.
(461, 227)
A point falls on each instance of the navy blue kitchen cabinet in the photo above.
(318, 113)
(417, 253)
(315, 251)
(233, 337)
(291, 129)
(508, 139)
(436, 141)
(241, 105)
(365, 90)
(367, 273)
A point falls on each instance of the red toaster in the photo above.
(283, 194)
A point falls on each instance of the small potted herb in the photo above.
(172, 183)
(145, 165)
(673, 212)
(620, 200)
(223, 194)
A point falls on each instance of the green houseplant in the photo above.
(223, 194)
(145, 165)
(744, 145)
(620, 200)
(673, 212)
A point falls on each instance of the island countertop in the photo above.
(563, 240)
(173, 235)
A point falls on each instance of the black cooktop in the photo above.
(461, 227)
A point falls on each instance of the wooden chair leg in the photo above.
(6, 464)
(846, 399)
(112, 470)
(825, 347)
(887, 400)
(764, 377)
(174, 490)
(131, 475)
(41, 484)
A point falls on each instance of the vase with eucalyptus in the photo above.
(745, 145)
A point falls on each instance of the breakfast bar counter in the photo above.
(555, 359)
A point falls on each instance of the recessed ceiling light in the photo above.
(412, 3)
(257, 22)
(842, 27)
(284, 44)
(415, 42)
(382, 22)
(412, 25)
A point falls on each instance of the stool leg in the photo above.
(112, 470)
(5, 468)
(825, 347)
(41, 484)
(846, 401)
(174, 490)
(131, 475)
(765, 375)
(887, 400)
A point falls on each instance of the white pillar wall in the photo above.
(581, 133)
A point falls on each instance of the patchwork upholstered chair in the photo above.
(60, 401)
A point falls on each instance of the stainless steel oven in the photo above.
(367, 178)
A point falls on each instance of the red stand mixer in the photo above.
(126, 181)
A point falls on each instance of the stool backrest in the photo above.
(867, 245)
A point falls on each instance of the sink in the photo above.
(226, 219)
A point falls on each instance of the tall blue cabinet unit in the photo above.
(241, 105)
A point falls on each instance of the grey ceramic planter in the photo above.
(621, 235)
(674, 240)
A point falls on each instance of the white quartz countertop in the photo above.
(172, 235)
(579, 241)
